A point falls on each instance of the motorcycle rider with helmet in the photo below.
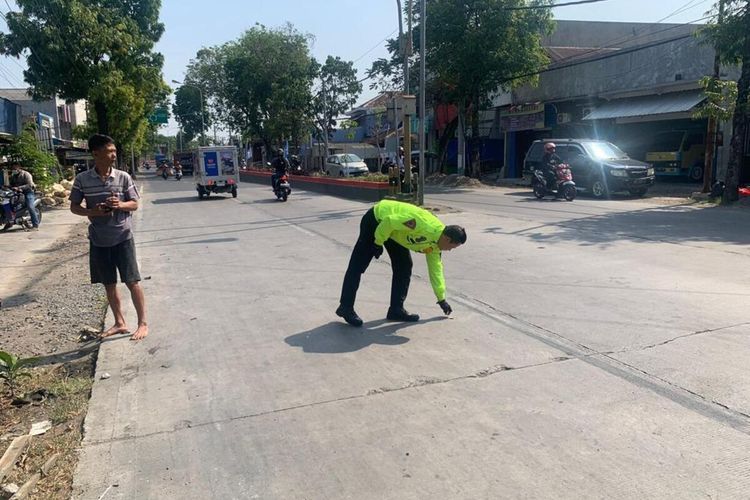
(281, 167)
(549, 161)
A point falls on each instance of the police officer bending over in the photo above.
(399, 227)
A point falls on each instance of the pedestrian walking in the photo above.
(111, 197)
(399, 227)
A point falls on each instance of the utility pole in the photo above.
(713, 125)
(407, 117)
(326, 123)
(422, 99)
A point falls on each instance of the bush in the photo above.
(42, 166)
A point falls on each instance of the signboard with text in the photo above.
(210, 163)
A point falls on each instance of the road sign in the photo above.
(160, 115)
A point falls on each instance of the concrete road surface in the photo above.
(596, 350)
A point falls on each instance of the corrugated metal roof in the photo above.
(678, 102)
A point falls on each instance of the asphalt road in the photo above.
(596, 350)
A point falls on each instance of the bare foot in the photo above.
(140, 333)
(115, 330)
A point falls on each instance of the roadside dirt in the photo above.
(53, 302)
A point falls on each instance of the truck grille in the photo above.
(637, 173)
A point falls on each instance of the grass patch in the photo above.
(69, 388)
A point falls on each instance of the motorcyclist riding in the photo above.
(281, 167)
(549, 161)
(22, 182)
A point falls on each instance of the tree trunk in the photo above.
(445, 138)
(739, 122)
(102, 124)
(475, 140)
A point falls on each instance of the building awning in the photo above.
(678, 102)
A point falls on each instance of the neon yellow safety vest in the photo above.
(416, 229)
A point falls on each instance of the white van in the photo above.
(216, 170)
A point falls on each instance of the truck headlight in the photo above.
(651, 171)
(618, 172)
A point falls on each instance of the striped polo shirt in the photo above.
(88, 186)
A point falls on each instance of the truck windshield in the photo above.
(604, 151)
(667, 141)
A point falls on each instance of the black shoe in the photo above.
(349, 315)
(401, 314)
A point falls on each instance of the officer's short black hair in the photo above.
(457, 234)
(98, 141)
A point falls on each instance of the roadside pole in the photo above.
(422, 99)
(713, 125)
(325, 128)
(408, 113)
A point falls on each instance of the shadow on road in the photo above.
(338, 337)
(262, 201)
(672, 224)
(187, 199)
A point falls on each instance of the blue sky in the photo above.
(352, 29)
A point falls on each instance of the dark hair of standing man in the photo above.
(457, 234)
(98, 141)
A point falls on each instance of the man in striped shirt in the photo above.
(110, 197)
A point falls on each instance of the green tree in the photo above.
(40, 164)
(187, 111)
(338, 92)
(477, 48)
(731, 37)
(474, 49)
(99, 50)
(260, 84)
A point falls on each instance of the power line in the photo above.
(615, 42)
(682, 9)
(553, 6)
(376, 45)
(600, 58)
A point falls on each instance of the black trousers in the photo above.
(362, 256)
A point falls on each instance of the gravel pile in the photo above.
(58, 302)
(453, 180)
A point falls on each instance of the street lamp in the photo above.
(200, 92)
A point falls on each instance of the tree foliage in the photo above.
(187, 111)
(477, 48)
(40, 164)
(721, 98)
(338, 92)
(731, 38)
(259, 84)
(474, 49)
(99, 50)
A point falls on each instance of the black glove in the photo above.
(446, 307)
(377, 250)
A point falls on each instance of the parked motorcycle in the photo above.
(564, 185)
(14, 202)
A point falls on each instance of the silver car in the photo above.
(346, 165)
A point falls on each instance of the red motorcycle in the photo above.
(564, 185)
